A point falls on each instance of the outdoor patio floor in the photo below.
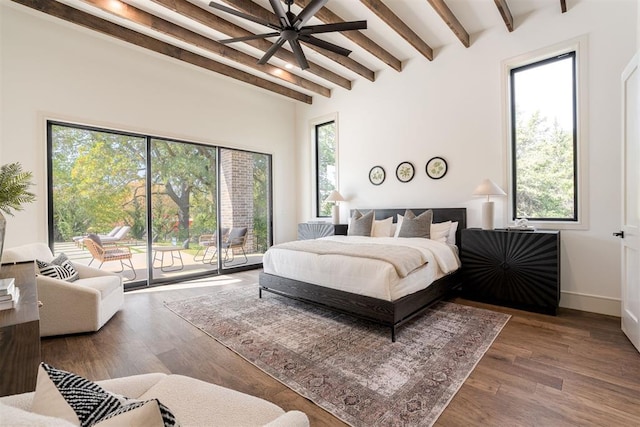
(139, 261)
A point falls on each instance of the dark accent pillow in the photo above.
(59, 268)
(361, 224)
(416, 226)
(95, 238)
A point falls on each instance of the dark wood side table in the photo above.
(314, 230)
(20, 333)
(520, 269)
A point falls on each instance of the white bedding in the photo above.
(364, 276)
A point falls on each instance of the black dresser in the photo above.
(520, 269)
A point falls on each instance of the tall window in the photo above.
(544, 139)
(326, 167)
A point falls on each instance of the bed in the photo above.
(386, 310)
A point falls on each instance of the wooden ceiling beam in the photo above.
(392, 20)
(147, 20)
(190, 10)
(503, 7)
(449, 18)
(328, 17)
(103, 26)
(247, 6)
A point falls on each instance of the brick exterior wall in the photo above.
(236, 191)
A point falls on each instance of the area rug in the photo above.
(349, 366)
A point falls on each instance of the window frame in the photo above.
(581, 196)
(313, 129)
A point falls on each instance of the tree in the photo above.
(545, 169)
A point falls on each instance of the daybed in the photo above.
(191, 401)
(389, 311)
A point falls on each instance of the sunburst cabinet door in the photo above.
(520, 269)
(314, 230)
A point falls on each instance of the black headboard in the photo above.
(439, 215)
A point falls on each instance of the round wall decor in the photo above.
(436, 168)
(377, 175)
(405, 172)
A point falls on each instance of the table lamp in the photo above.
(488, 188)
(335, 197)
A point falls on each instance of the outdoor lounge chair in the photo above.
(236, 240)
(78, 240)
(110, 253)
(121, 234)
(209, 242)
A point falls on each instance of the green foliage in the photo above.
(14, 188)
(326, 152)
(545, 169)
(261, 175)
(99, 180)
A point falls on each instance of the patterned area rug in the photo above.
(348, 366)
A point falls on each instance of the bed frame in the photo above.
(389, 313)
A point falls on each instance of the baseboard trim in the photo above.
(593, 303)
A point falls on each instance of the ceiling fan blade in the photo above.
(251, 37)
(297, 51)
(308, 12)
(280, 13)
(339, 26)
(243, 15)
(324, 44)
(272, 50)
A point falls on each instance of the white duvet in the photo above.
(364, 276)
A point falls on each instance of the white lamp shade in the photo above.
(334, 196)
(488, 188)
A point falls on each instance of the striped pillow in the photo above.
(69, 396)
(59, 268)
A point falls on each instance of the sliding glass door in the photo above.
(98, 190)
(175, 209)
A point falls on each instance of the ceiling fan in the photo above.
(292, 29)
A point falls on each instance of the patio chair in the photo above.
(209, 242)
(236, 240)
(111, 253)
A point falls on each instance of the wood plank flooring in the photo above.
(572, 369)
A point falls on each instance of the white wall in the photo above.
(452, 107)
(53, 69)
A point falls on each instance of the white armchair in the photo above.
(71, 307)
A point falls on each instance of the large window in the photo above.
(544, 142)
(179, 203)
(326, 165)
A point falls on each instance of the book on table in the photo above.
(11, 303)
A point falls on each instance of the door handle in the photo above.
(619, 234)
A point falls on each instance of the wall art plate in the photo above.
(436, 167)
(405, 172)
(377, 175)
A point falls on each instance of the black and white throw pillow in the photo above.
(69, 396)
(59, 268)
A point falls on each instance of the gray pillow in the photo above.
(361, 224)
(416, 226)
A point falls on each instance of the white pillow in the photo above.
(398, 225)
(382, 228)
(451, 239)
(440, 231)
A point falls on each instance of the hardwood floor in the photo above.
(573, 369)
